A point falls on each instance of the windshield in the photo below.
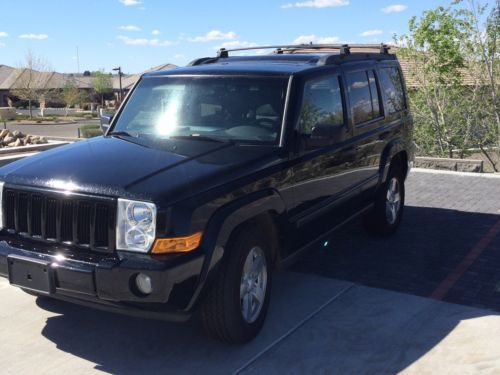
(224, 108)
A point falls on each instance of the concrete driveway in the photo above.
(356, 306)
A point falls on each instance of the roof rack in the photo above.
(344, 49)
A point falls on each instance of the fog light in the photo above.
(143, 283)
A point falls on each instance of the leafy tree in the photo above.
(30, 83)
(72, 95)
(102, 84)
(453, 62)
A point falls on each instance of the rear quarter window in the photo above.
(392, 87)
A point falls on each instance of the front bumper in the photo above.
(107, 282)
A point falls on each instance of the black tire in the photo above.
(378, 222)
(221, 309)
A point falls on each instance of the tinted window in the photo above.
(374, 94)
(363, 95)
(391, 85)
(238, 108)
(321, 104)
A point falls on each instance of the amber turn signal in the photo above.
(177, 244)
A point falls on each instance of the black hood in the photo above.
(138, 168)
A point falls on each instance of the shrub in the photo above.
(89, 131)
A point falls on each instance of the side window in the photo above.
(363, 95)
(390, 81)
(321, 104)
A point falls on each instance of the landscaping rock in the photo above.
(17, 139)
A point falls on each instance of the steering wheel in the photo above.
(267, 123)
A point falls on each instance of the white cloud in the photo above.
(371, 32)
(130, 2)
(317, 4)
(3, 34)
(144, 41)
(306, 39)
(396, 8)
(156, 32)
(130, 28)
(236, 44)
(34, 36)
(179, 56)
(214, 35)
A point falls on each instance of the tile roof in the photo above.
(12, 78)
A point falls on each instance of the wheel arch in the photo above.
(394, 152)
(264, 208)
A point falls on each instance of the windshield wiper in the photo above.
(121, 133)
(202, 138)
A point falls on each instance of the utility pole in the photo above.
(119, 69)
(77, 61)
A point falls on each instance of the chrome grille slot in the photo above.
(73, 220)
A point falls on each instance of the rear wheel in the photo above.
(386, 215)
(236, 305)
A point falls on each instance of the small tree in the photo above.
(453, 60)
(102, 84)
(72, 95)
(30, 83)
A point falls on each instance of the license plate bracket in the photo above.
(32, 274)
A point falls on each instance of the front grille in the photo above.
(73, 220)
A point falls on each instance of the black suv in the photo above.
(209, 177)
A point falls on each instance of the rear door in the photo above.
(367, 120)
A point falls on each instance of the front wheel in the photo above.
(386, 215)
(236, 305)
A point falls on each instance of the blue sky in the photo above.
(139, 34)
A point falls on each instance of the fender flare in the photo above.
(391, 149)
(224, 221)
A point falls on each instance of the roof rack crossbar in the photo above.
(279, 49)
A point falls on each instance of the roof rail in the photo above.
(344, 49)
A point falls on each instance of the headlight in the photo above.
(136, 225)
(1, 204)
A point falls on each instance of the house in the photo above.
(13, 78)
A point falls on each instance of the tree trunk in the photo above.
(102, 100)
(29, 106)
(489, 158)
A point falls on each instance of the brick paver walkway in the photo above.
(447, 216)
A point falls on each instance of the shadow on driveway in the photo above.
(428, 246)
(363, 330)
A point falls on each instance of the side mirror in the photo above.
(106, 119)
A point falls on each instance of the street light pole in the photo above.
(119, 69)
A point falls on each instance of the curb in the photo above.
(455, 173)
